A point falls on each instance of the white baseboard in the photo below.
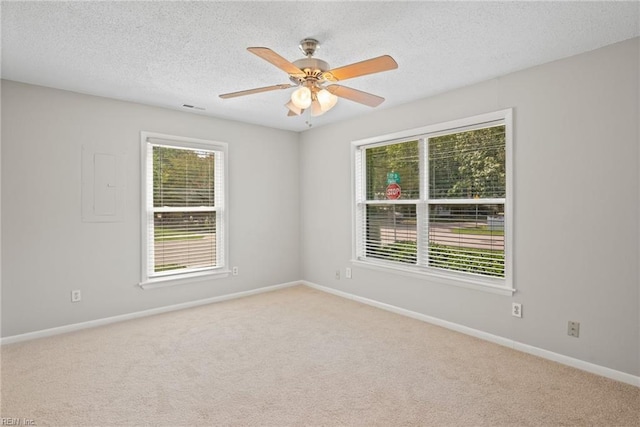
(100, 322)
(525, 348)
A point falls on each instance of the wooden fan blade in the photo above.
(292, 113)
(256, 90)
(370, 66)
(277, 60)
(356, 95)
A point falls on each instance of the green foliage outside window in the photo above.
(468, 164)
(182, 177)
(400, 158)
(461, 165)
(479, 261)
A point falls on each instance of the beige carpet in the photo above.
(296, 357)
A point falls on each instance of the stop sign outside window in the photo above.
(393, 191)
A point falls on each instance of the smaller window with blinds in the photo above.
(436, 201)
(184, 219)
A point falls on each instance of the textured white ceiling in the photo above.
(174, 53)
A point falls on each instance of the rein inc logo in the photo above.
(4, 421)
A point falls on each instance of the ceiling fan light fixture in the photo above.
(326, 99)
(301, 97)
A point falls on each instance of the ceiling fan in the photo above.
(311, 75)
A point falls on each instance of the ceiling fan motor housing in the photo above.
(313, 69)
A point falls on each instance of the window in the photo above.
(437, 201)
(184, 215)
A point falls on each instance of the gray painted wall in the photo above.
(576, 207)
(577, 194)
(46, 248)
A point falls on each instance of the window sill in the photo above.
(163, 282)
(445, 279)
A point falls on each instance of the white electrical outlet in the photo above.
(516, 309)
(234, 271)
(337, 274)
(347, 273)
(76, 296)
(573, 330)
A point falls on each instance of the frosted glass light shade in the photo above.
(301, 97)
(316, 108)
(326, 99)
(291, 106)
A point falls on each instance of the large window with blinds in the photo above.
(184, 213)
(437, 200)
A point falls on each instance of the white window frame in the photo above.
(503, 286)
(149, 281)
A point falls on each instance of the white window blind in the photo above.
(185, 204)
(467, 188)
(391, 197)
(436, 202)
